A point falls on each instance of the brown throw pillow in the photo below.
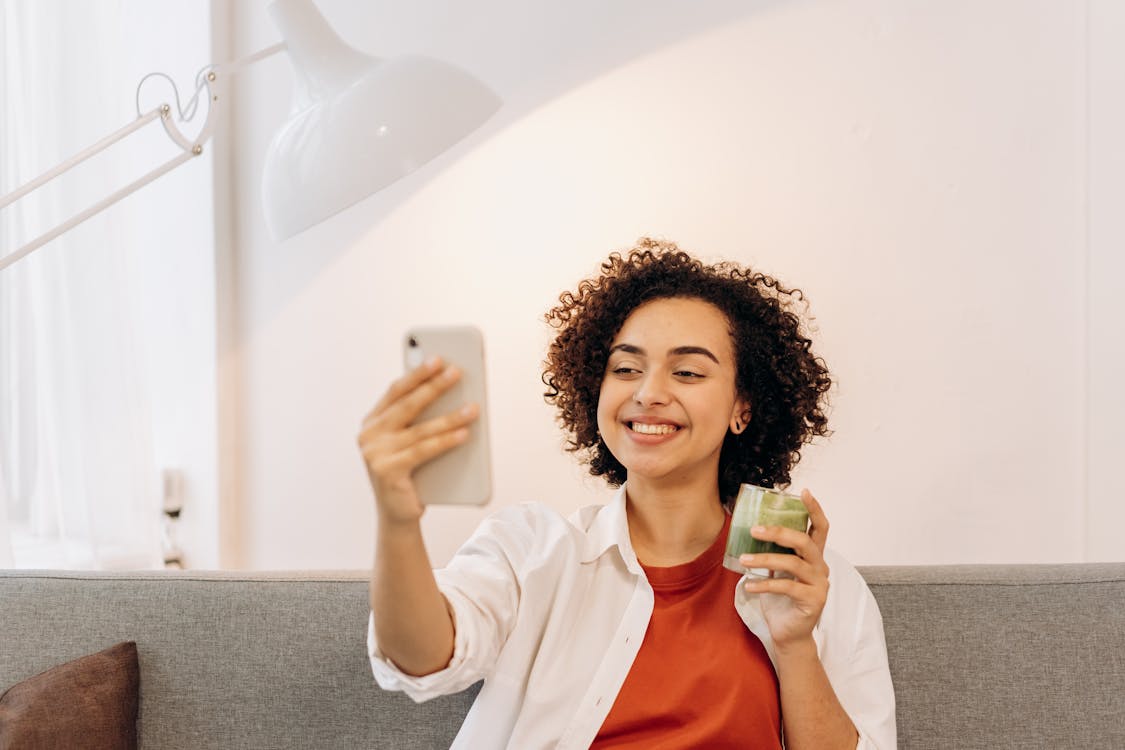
(89, 703)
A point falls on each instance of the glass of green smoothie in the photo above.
(761, 506)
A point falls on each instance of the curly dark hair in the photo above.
(776, 371)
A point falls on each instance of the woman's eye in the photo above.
(624, 371)
(688, 374)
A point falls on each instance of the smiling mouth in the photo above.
(652, 429)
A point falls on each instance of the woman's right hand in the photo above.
(393, 448)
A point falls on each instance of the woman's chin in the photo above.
(641, 472)
(648, 473)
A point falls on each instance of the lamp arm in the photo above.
(211, 79)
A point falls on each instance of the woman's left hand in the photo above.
(792, 603)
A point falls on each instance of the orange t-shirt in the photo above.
(701, 678)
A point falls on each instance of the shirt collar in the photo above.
(610, 528)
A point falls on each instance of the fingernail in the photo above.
(747, 560)
(755, 530)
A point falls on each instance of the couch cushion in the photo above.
(90, 702)
(1005, 656)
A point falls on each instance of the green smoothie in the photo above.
(760, 506)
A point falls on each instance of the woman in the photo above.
(619, 627)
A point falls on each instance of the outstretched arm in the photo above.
(413, 622)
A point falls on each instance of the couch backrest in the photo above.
(1006, 656)
(982, 656)
(227, 660)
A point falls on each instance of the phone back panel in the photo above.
(463, 476)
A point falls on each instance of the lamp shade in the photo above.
(358, 123)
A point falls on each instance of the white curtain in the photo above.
(78, 484)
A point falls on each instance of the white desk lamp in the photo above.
(358, 124)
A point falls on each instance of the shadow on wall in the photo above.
(530, 53)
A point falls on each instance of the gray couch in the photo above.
(982, 656)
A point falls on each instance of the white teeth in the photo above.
(653, 429)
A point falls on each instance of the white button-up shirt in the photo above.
(551, 612)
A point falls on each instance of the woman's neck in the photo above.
(671, 524)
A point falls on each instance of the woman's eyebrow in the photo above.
(679, 350)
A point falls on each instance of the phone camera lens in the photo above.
(413, 342)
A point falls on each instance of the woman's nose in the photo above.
(651, 390)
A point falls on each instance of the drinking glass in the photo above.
(761, 506)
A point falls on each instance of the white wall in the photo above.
(1105, 303)
(919, 169)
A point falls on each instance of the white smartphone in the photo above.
(463, 476)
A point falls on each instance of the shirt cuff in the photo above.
(420, 688)
(866, 743)
(749, 608)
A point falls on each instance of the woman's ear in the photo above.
(740, 418)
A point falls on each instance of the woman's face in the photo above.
(668, 394)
